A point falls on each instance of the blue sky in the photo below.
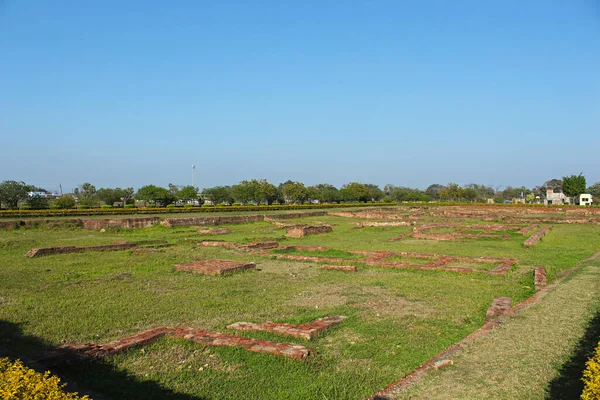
(403, 92)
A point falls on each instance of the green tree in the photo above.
(244, 192)
(594, 190)
(12, 193)
(218, 194)
(189, 193)
(109, 196)
(452, 192)
(573, 185)
(64, 202)
(86, 195)
(355, 191)
(294, 192)
(37, 202)
(434, 190)
(375, 193)
(326, 193)
(155, 195)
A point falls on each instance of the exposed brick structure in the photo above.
(536, 237)
(140, 222)
(73, 352)
(539, 278)
(262, 245)
(527, 229)
(213, 220)
(215, 231)
(499, 307)
(397, 223)
(305, 331)
(44, 251)
(214, 267)
(303, 230)
(347, 268)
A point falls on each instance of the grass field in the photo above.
(397, 318)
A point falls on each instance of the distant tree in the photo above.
(155, 195)
(375, 193)
(433, 191)
(326, 193)
(244, 192)
(482, 192)
(452, 192)
(173, 189)
(12, 193)
(574, 185)
(530, 197)
(189, 193)
(294, 192)
(127, 195)
(109, 196)
(355, 191)
(264, 191)
(37, 202)
(86, 195)
(400, 194)
(64, 202)
(554, 184)
(218, 194)
(594, 190)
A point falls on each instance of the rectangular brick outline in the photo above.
(376, 258)
(214, 267)
(73, 352)
(305, 331)
(44, 251)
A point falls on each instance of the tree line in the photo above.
(14, 195)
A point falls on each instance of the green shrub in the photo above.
(236, 205)
(24, 207)
(188, 205)
(20, 382)
(65, 201)
(206, 206)
(170, 205)
(220, 205)
(591, 377)
(83, 207)
(129, 206)
(106, 206)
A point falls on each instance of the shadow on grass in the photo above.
(93, 377)
(568, 385)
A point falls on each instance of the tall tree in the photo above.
(594, 190)
(13, 192)
(155, 195)
(573, 185)
(433, 191)
(218, 194)
(294, 192)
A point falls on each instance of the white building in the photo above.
(584, 199)
(556, 198)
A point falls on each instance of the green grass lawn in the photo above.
(398, 319)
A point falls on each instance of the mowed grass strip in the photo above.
(521, 358)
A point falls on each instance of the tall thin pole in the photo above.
(194, 175)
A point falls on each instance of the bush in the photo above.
(236, 205)
(20, 382)
(591, 377)
(106, 206)
(83, 207)
(25, 208)
(206, 206)
(220, 205)
(129, 206)
(170, 205)
(188, 205)
(65, 201)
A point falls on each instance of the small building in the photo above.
(584, 199)
(556, 198)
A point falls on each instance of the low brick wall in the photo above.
(207, 221)
(44, 251)
(499, 307)
(305, 331)
(527, 229)
(302, 231)
(141, 222)
(216, 231)
(398, 223)
(214, 267)
(536, 237)
(539, 278)
(346, 268)
(72, 352)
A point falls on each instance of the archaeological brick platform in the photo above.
(346, 268)
(537, 236)
(44, 251)
(301, 231)
(539, 278)
(499, 307)
(214, 267)
(73, 352)
(305, 331)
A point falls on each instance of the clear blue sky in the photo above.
(126, 93)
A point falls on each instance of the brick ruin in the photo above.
(539, 278)
(537, 236)
(215, 231)
(500, 306)
(346, 268)
(460, 232)
(300, 231)
(375, 224)
(378, 258)
(74, 352)
(214, 267)
(44, 251)
(305, 331)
